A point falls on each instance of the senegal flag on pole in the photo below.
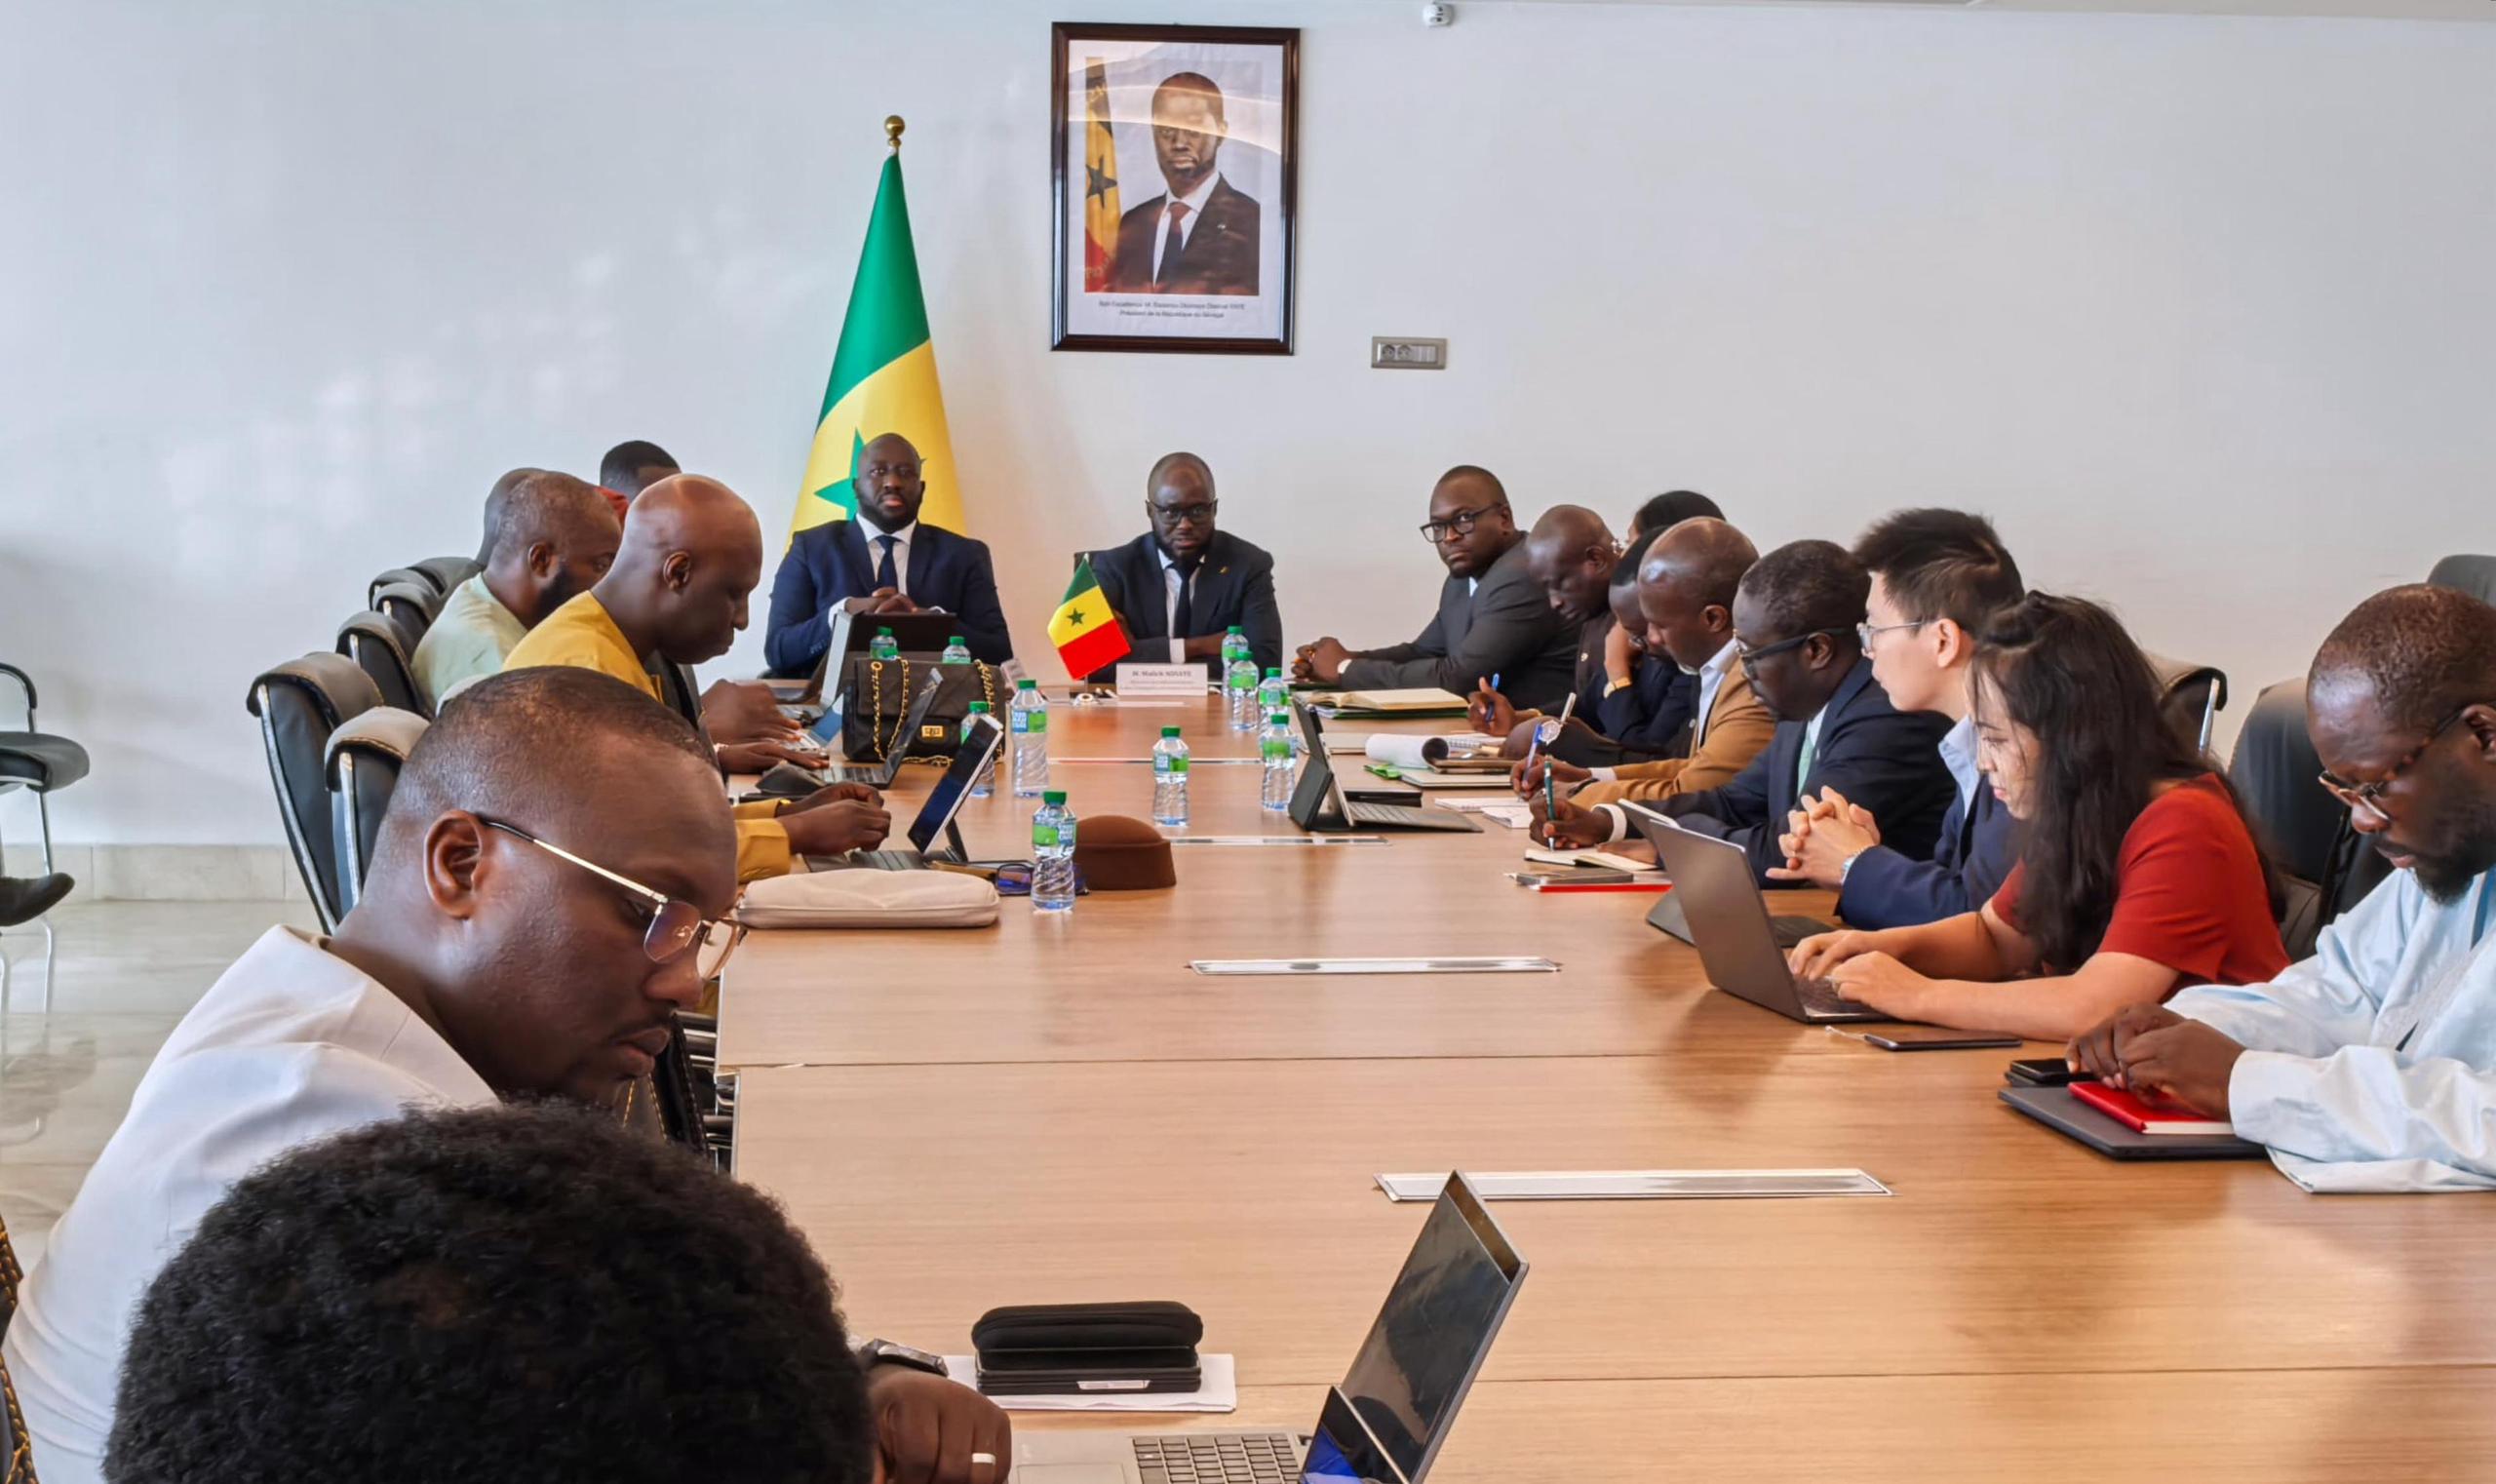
(884, 376)
(1086, 631)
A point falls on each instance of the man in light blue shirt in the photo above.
(2370, 1066)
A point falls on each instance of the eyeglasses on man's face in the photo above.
(1174, 516)
(2369, 796)
(1461, 522)
(675, 926)
(1751, 657)
(1865, 634)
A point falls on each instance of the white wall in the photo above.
(2199, 308)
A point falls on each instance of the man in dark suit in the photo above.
(1493, 621)
(885, 562)
(1181, 587)
(1795, 619)
(1938, 576)
(1198, 236)
(1571, 554)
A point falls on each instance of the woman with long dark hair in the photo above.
(2136, 874)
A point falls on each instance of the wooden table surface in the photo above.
(1057, 1110)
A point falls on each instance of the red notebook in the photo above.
(2144, 1117)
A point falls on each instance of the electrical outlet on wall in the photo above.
(1403, 353)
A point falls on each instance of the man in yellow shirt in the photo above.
(693, 553)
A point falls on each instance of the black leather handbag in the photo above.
(876, 696)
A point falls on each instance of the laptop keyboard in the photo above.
(1218, 1458)
(888, 860)
(1402, 815)
(1821, 997)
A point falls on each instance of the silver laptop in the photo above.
(1321, 805)
(1729, 925)
(981, 736)
(1383, 1425)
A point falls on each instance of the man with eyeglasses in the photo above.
(1493, 621)
(884, 562)
(1938, 576)
(2371, 1066)
(1795, 616)
(1183, 585)
(520, 933)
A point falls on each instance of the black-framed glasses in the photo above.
(1866, 633)
(1184, 515)
(1751, 657)
(1461, 522)
(2369, 796)
(675, 927)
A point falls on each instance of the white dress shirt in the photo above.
(1172, 581)
(1958, 756)
(1194, 202)
(2371, 1066)
(1711, 678)
(901, 552)
(291, 1044)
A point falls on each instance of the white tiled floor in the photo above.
(77, 1034)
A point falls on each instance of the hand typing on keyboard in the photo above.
(1861, 972)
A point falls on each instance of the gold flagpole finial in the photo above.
(892, 129)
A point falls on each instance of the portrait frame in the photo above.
(1227, 287)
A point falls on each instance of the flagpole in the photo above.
(892, 131)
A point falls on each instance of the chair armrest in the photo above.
(24, 684)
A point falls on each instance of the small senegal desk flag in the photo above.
(883, 375)
(1086, 630)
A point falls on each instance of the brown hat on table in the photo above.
(1117, 853)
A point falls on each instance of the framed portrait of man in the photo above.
(1174, 167)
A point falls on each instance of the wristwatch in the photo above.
(877, 1352)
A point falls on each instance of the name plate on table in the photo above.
(1153, 682)
(1517, 966)
(1641, 1185)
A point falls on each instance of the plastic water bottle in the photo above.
(1239, 681)
(984, 785)
(1028, 721)
(1274, 750)
(1170, 779)
(955, 652)
(1053, 854)
(883, 647)
(1273, 693)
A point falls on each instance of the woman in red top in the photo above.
(2136, 874)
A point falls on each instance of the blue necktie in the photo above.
(884, 565)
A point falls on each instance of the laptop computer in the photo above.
(1319, 805)
(925, 632)
(981, 739)
(1730, 927)
(1383, 1425)
(2057, 1110)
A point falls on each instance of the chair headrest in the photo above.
(383, 731)
(376, 626)
(333, 683)
(2174, 675)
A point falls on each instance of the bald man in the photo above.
(885, 562)
(677, 596)
(491, 955)
(1493, 621)
(2370, 1066)
(548, 537)
(1182, 585)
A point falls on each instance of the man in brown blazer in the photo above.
(1686, 595)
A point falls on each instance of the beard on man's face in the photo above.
(2465, 853)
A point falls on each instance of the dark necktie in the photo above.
(1182, 619)
(885, 564)
(1171, 242)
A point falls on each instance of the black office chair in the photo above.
(448, 572)
(2328, 868)
(363, 759)
(300, 704)
(412, 605)
(38, 762)
(415, 577)
(2192, 695)
(380, 649)
(2475, 575)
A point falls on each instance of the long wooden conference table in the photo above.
(1057, 1109)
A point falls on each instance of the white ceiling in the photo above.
(2372, 10)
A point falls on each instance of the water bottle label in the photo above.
(1025, 721)
(1044, 837)
(1276, 750)
(1179, 767)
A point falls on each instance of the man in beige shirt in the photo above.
(548, 536)
(1685, 594)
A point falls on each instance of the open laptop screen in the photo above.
(1432, 1334)
(978, 740)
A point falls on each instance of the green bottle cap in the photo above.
(1237, 629)
(883, 632)
(1054, 795)
(979, 707)
(1026, 684)
(1273, 673)
(1169, 731)
(956, 640)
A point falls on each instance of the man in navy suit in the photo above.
(885, 562)
(1795, 620)
(1938, 576)
(1199, 235)
(1181, 587)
